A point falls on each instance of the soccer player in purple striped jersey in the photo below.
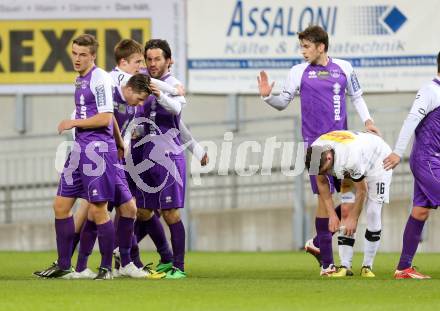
(90, 169)
(130, 91)
(321, 82)
(164, 181)
(423, 120)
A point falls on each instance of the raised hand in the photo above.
(263, 84)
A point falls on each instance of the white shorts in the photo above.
(379, 187)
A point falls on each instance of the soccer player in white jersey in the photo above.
(358, 156)
(423, 120)
(322, 83)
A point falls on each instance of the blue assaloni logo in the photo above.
(377, 20)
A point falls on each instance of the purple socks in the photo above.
(106, 241)
(338, 212)
(411, 239)
(89, 233)
(124, 236)
(65, 232)
(325, 241)
(177, 231)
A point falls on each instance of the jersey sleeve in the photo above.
(291, 86)
(101, 85)
(354, 89)
(423, 104)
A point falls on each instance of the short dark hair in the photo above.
(438, 62)
(87, 40)
(315, 155)
(140, 83)
(158, 44)
(315, 34)
(126, 48)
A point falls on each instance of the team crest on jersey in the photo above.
(335, 73)
(83, 84)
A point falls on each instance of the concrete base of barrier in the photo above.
(240, 230)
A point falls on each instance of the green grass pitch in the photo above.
(223, 281)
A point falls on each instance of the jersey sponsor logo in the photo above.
(83, 108)
(100, 95)
(355, 83)
(323, 74)
(343, 137)
(168, 199)
(337, 107)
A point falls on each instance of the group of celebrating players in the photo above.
(128, 154)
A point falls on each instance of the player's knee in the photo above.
(345, 210)
(128, 209)
(373, 236)
(143, 214)
(420, 213)
(171, 216)
(374, 216)
(98, 211)
(60, 210)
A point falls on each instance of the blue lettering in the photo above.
(253, 22)
(335, 10)
(290, 32)
(278, 22)
(265, 21)
(304, 23)
(238, 14)
(323, 21)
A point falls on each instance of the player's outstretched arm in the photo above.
(193, 145)
(281, 101)
(422, 105)
(264, 87)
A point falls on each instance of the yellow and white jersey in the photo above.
(357, 154)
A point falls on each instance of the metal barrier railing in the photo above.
(28, 180)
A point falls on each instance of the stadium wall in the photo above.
(240, 227)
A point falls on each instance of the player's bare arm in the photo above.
(99, 120)
(118, 138)
(352, 219)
